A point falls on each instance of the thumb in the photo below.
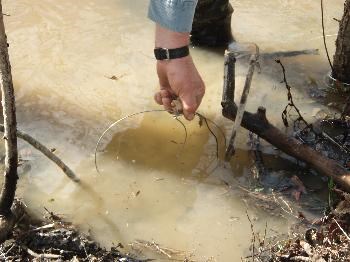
(190, 105)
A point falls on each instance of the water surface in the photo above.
(63, 58)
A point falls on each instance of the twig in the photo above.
(286, 211)
(36, 255)
(286, 203)
(48, 226)
(324, 37)
(347, 236)
(300, 258)
(291, 103)
(253, 235)
(330, 139)
(171, 254)
(8, 251)
(47, 152)
(265, 233)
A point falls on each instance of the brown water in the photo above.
(63, 55)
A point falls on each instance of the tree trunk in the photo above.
(9, 112)
(341, 62)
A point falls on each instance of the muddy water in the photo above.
(80, 65)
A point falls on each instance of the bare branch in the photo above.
(47, 152)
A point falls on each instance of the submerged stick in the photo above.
(47, 152)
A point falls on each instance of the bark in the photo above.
(341, 60)
(9, 112)
(258, 124)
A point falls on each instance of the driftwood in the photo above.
(258, 124)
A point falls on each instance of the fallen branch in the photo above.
(47, 152)
(258, 124)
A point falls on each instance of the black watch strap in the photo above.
(167, 54)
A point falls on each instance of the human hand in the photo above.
(178, 78)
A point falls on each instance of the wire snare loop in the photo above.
(176, 113)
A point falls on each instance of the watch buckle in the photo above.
(167, 53)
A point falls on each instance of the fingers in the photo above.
(191, 102)
(180, 78)
(165, 97)
(158, 98)
(189, 108)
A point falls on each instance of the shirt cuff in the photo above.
(176, 15)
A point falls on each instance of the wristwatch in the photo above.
(167, 54)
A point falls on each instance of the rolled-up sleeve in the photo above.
(176, 15)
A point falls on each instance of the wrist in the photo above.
(166, 38)
(161, 53)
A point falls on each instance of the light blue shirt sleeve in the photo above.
(176, 15)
